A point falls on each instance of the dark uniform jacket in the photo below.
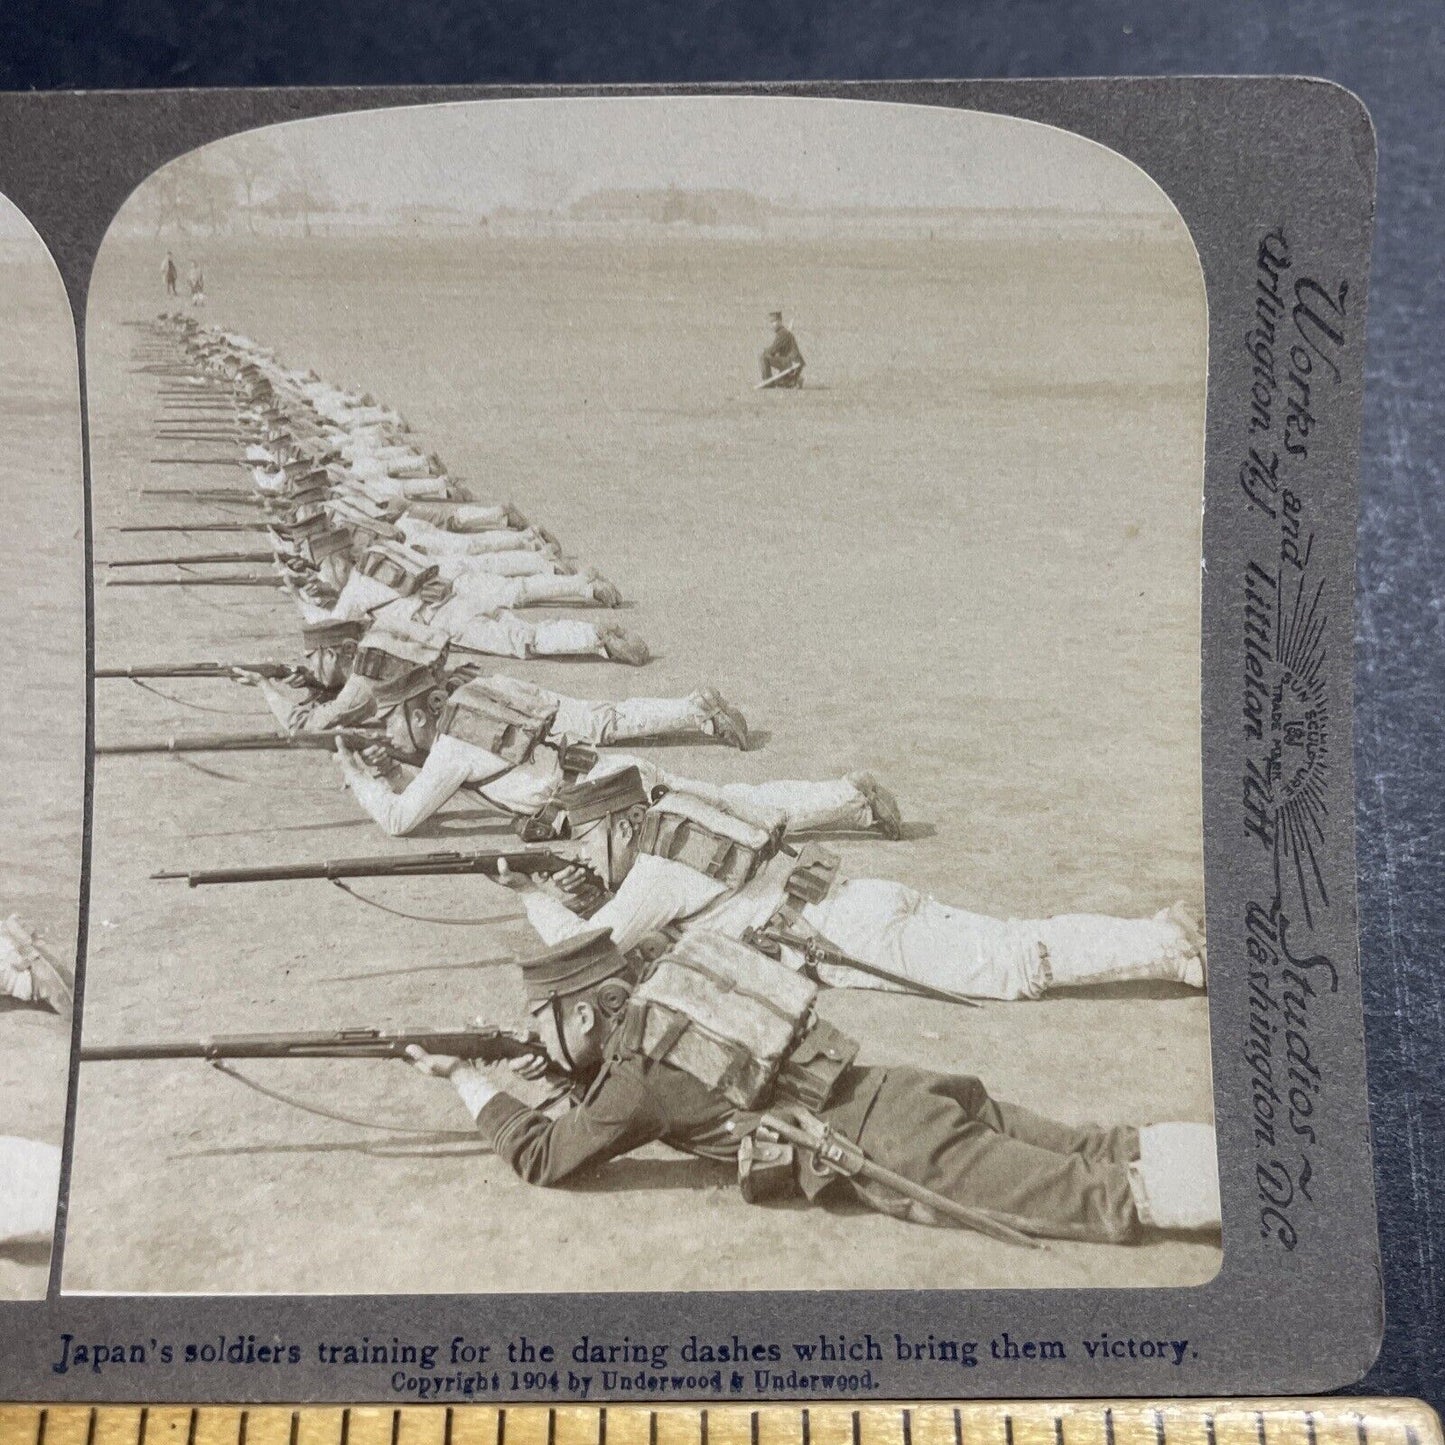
(940, 1130)
(783, 350)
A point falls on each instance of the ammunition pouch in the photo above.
(809, 882)
(810, 1072)
(767, 1167)
(576, 759)
(716, 843)
(812, 875)
(500, 715)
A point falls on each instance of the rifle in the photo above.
(246, 581)
(486, 862)
(833, 1153)
(195, 527)
(273, 670)
(191, 559)
(245, 742)
(480, 1045)
(771, 938)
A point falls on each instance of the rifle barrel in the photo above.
(195, 669)
(484, 862)
(485, 1045)
(242, 742)
(188, 559)
(192, 582)
(195, 527)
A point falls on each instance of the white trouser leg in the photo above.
(543, 591)
(516, 563)
(631, 719)
(915, 937)
(29, 1184)
(1085, 948)
(504, 634)
(835, 803)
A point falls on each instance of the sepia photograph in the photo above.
(42, 670)
(647, 709)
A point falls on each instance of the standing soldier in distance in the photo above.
(782, 354)
(169, 274)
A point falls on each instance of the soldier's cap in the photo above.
(775, 315)
(304, 527)
(592, 798)
(394, 691)
(572, 966)
(331, 632)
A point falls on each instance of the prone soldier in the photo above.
(511, 743)
(684, 862)
(29, 976)
(689, 1058)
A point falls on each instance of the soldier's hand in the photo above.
(378, 758)
(434, 1066)
(531, 1066)
(576, 887)
(245, 678)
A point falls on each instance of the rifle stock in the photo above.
(485, 862)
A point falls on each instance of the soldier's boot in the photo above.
(623, 646)
(604, 593)
(28, 974)
(1088, 948)
(887, 816)
(515, 519)
(722, 720)
(1175, 1180)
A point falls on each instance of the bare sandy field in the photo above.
(966, 557)
(42, 681)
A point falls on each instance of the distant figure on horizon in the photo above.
(171, 275)
(198, 285)
(782, 363)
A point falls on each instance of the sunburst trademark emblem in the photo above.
(1299, 751)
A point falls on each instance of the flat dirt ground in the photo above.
(966, 557)
(42, 682)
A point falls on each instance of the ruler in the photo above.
(1122, 1422)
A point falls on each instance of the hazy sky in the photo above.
(480, 155)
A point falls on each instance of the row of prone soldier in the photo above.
(686, 929)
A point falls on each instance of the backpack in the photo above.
(720, 842)
(500, 715)
(723, 1013)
